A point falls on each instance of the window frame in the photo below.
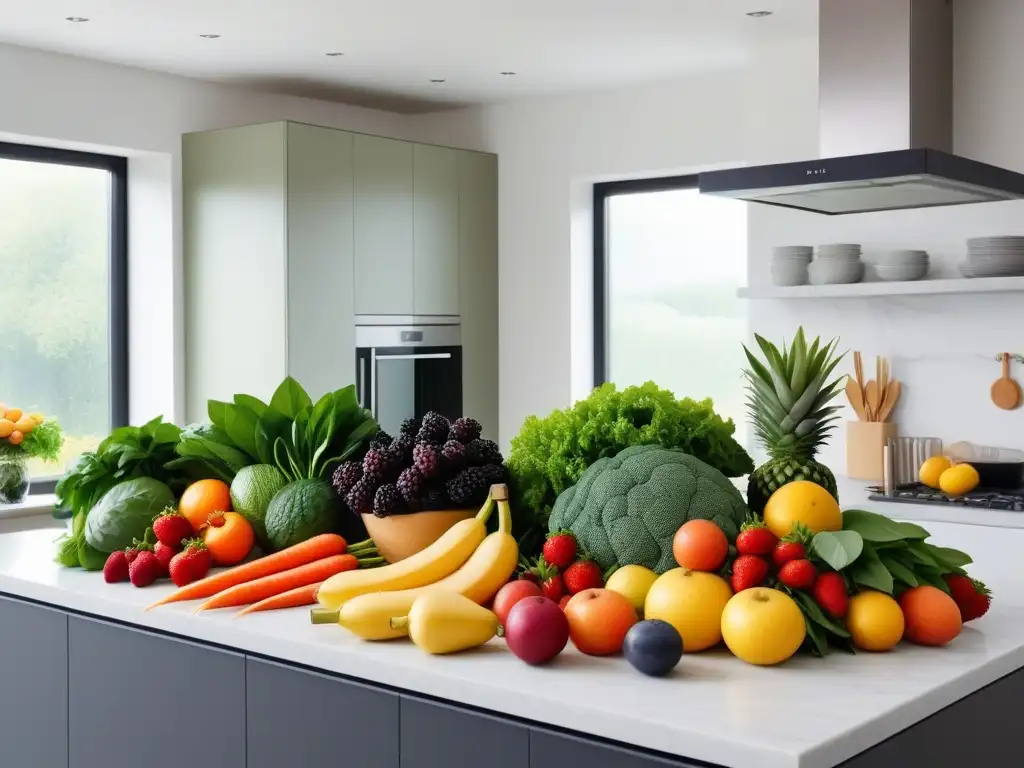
(117, 310)
(603, 192)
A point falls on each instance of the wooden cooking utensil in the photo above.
(872, 399)
(856, 396)
(1006, 392)
(892, 394)
(858, 367)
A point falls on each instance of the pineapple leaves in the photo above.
(776, 371)
(798, 376)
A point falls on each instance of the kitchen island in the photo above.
(89, 679)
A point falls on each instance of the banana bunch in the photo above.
(374, 604)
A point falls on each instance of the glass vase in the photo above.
(14, 479)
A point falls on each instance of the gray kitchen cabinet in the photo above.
(135, 693)
(33, 686)
(435, 230)
(299, 718)
(438, 736)
(478, 286)
(383, 224)
(547, 748)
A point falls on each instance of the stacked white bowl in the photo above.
(899, 265)
(836, 263)
(994, 257)
(789, 264)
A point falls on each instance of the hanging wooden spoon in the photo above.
(892, 394)
(858, 367)
(872, 399)
(856, 396)
(1006, 392)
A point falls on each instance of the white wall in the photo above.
(52, 99)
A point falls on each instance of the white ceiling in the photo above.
(393, 48)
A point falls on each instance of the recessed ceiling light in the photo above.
(209, 37)
(759, 14)
(508, 74)
(334, 53)
(437, 80)
(76, 19)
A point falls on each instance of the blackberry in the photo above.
(427, 459)
(378, 465)
(410, 484)
(346, 476)
(434, 429)
(465, 430)
(401, 449)
(495, 473)
(360, 498)
(387, 500)
(409, 428)
(469, 488)
(435, 497)
(480, 452)
(380, 440)
(454, 455)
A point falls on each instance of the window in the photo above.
(63, 261)
(668, 262)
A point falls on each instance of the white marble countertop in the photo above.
(714, 708)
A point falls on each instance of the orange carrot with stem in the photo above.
(311, 550)
(293, 598)
(260, 589)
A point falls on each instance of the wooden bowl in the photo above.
(400, 536)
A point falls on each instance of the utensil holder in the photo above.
(865, 448)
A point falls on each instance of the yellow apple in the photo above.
(692, 602)
(763, 626)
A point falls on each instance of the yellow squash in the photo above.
(444, 622)
(432, 564)
(369, 615)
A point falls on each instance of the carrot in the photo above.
(311, 550)
(269, 586)
(293, 598)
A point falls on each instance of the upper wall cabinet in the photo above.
(435, 230)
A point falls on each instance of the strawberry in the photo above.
(164, 553)
(788, 550)
(553, 588)
(144, 569)
(116, 567)
(798, 574)
(171, 528)
(830, 594)
(755, 539)
(560, 549)
(748, 571)
(529, 576)
(191, 564)
(564, 601)
(971, 596)
(583, 574)
(131, 553)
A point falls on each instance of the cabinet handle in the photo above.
(431, 356)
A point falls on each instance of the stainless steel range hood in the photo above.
(886, 117)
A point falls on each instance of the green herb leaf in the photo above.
(839, 548)
(254, 404)
(869, 571)
(898, 569)
(813, 611)
(921, 552)
(878, 528)
(241, 424)
(951, 558)
(218, 413)
(290, 398)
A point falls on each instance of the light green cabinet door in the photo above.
(321, 327)
(383, 233)
(435, 230)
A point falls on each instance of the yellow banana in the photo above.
(443, 622)
(369, 615)
(432, 564)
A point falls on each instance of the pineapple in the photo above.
(788, 404)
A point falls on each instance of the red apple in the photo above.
(511, 594)
(536, 630)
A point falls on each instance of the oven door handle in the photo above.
(429, 356)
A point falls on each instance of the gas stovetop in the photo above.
(981, 498)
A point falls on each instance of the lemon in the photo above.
(932, 470)
(875, 621)
(692, 602)
(959, 479)
(802, 502)
(763, 626)
(633, 582)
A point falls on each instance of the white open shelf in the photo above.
(908, 288)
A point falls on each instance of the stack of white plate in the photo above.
(789, 264)
(902, 265)
(836, 263)
(994, 257)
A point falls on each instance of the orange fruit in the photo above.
(13, 414)
(15, 437)
(202, 499)
(802, 502)
(229, 537)
(692, 602)
(599, 620)
(932, 616)
(25, 425)
(6, 427)
(875, 621)
(700, 545)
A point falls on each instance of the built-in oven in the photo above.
(407, 366)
